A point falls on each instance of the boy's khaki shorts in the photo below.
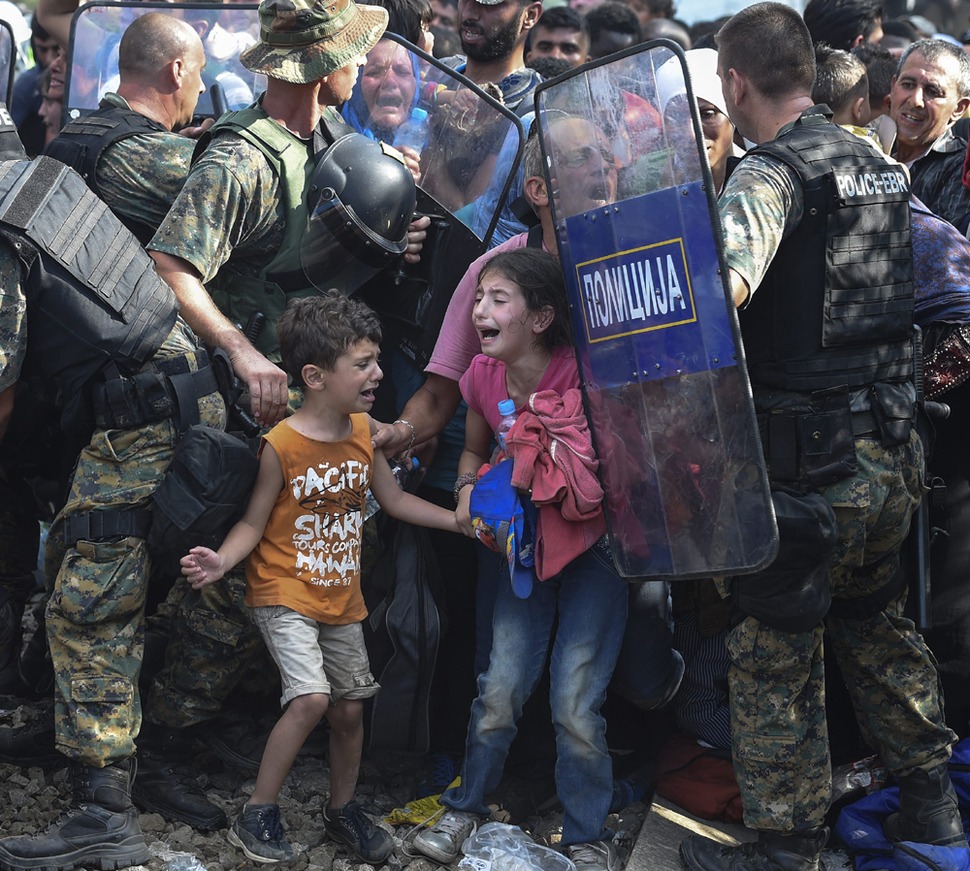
(316, 657)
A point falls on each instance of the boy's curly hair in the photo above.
(318, 329)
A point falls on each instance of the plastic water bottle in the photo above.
(414, 132)
(506, 408)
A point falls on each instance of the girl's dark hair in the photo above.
(539, 276)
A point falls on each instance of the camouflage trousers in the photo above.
(212, 640)
(779, 732)
(95, 617)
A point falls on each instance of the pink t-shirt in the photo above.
(483, 385)
(458, 340)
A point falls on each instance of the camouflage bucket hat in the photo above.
(304, 40)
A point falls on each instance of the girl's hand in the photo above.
(202, 566)
(463, 512)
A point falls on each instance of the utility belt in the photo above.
(163, 389)
(810, 439)
(169, 387)
(206, 487)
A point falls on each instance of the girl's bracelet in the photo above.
(463, 481)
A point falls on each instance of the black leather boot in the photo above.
(771, 852)
(160, 787)
(928, 810)
(100, 830)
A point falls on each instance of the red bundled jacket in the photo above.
(552, 449)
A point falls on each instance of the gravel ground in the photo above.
(31, 798)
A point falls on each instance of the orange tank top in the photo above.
(309, 556)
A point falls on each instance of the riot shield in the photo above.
(657, 338)
(8, 61)
(225, 30)
(464, 148)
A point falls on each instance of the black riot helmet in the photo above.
(360, 204)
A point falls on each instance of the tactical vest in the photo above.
(93, 297)
(240, 295)
(836, 306)
(81, 143)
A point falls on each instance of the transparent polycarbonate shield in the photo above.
(464, 148)
(8, 61)
(463, 145)
(667, 393)
(226, 29)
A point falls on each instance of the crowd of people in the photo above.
(167, 268)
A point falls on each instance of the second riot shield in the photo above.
(226, 30)
(667, 393)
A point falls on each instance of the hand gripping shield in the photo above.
(665, 385)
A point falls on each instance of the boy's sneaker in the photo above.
(442, 841)
(258, 832)
(351, 826)
(594, 856)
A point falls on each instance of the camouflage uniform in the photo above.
(230, 206)
(779, 732)
(95, 615)
(140, 176)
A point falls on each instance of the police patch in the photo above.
(646, 288)
(871, 184)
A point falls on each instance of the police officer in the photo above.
(130, 374)
(126, 150)
(817, 240)
(130, 156)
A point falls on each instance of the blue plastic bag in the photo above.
(860, 828)
(505, 523)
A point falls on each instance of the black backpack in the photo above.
(402, 633)
(204, 492)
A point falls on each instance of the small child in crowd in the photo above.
(842, 84)
(302, 533)
(522, 319)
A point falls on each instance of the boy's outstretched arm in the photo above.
(406, 506)
(203, 566)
